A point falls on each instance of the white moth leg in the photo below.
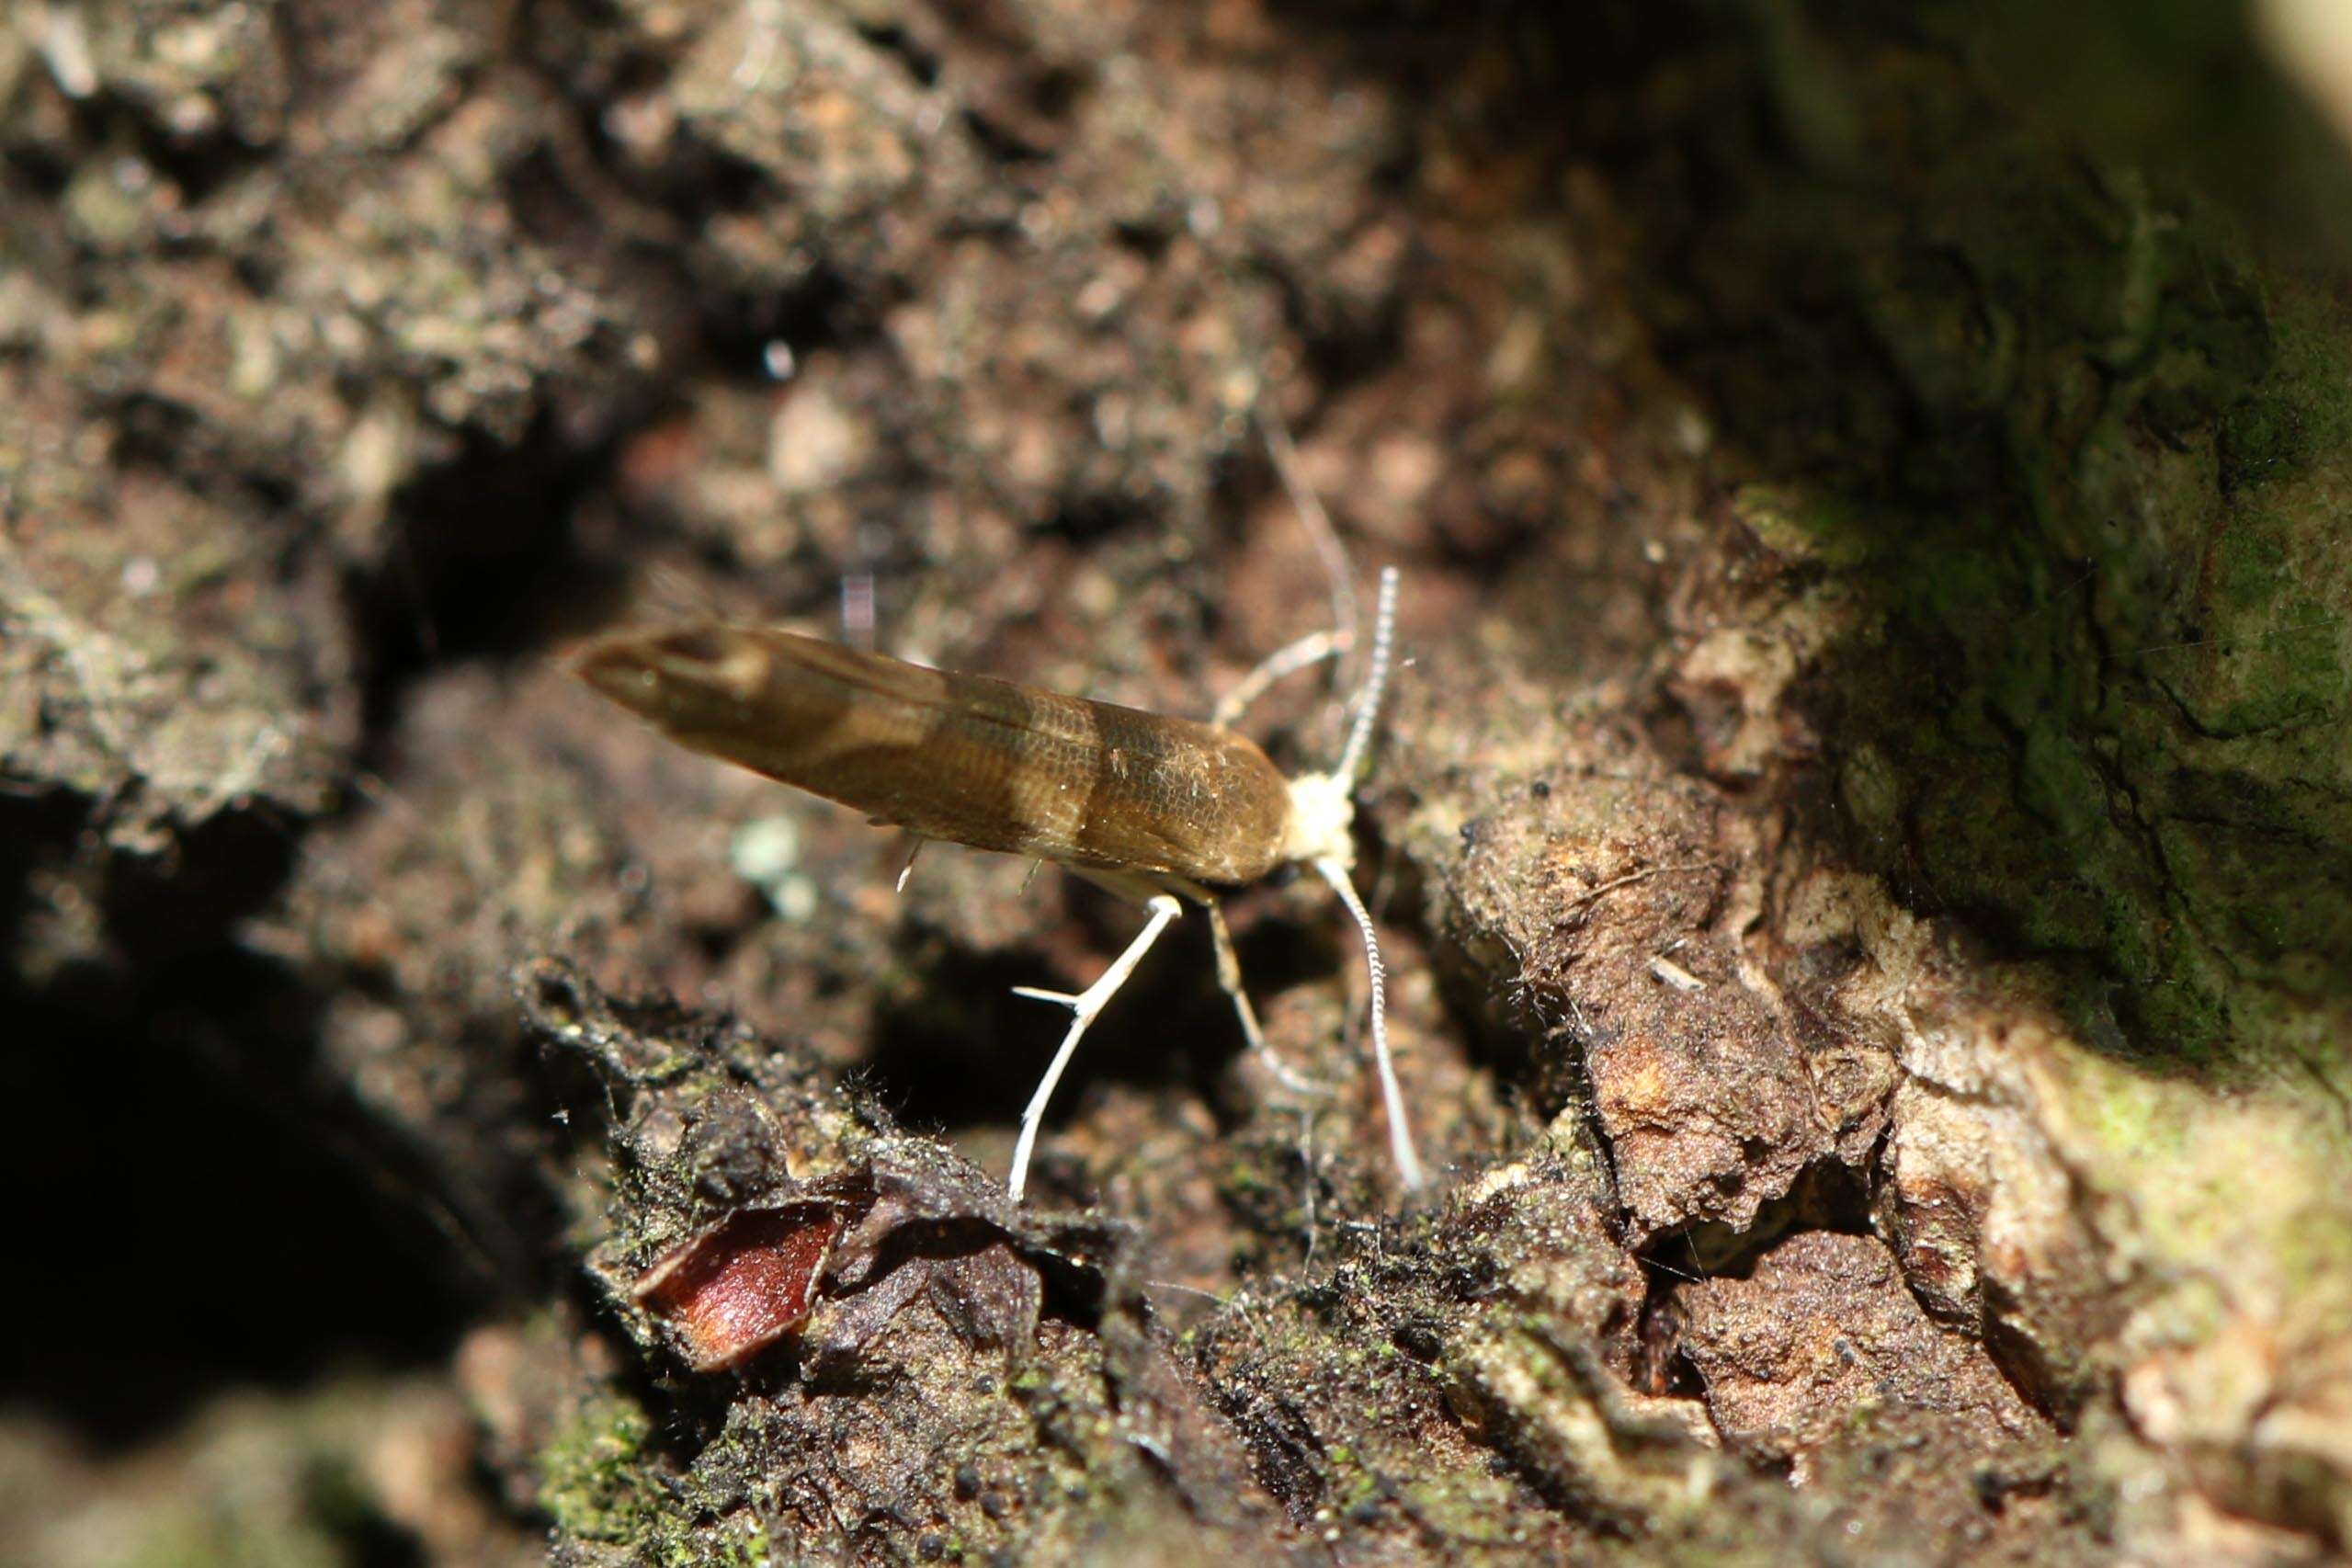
(1408, 1165)
(1083, 1008)
(1285, 661)
(1228, 980)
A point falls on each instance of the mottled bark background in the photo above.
(1864, 836)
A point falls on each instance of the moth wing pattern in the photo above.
(968, 758)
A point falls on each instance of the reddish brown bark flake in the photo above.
(738, 1287)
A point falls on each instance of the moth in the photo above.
(1162, 810)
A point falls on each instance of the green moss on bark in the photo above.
(2075, 447)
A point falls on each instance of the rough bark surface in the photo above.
(1863, 831)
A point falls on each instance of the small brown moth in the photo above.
(1154, 808)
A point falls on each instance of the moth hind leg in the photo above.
(1084, 1007)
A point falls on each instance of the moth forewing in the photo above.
(961, 757)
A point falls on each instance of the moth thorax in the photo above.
(1323, 819)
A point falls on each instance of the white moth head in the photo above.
(1323, 805)
(1322, 819)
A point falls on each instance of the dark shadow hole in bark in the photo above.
(739, 328)
(213, 874)
(478, 563)
(194, 1223)
(1000, 141)
(197, 165)
(37, 831)
(961, 1051)
(40, 175)
(1085, 519)
(921, 63)
(1827, 1196)
(2025, 1368)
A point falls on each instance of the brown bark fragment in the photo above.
(1823, 1334)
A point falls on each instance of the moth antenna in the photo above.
(1375, 680)
(1408, 1167)
(1346, 613)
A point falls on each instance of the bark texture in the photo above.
(1864, 832)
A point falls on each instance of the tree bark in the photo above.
(1862, 831)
